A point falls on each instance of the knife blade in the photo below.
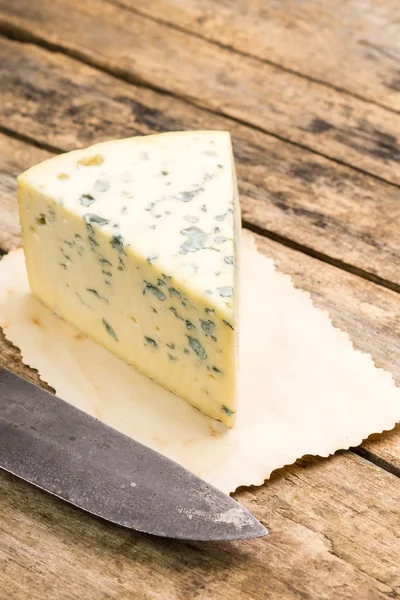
(62, 450)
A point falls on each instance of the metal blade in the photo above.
(60, 449)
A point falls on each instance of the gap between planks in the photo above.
(280, 239)
(376, 460)
(234, 50)
(322, 257)
(29, 140)
(21, 35)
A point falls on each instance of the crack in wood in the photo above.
(29, 140)
(330, 545)
(377, 460)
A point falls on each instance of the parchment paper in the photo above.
(303, 388)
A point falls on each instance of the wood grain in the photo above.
(325, 208)
(333, 522)
(383, 450)
(352, 45)
(323, 119)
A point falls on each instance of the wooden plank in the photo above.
(277, 101)
(369, 313)
(333, 534)
(326, 208)
(352, 45)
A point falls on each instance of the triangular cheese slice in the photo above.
(135, 243)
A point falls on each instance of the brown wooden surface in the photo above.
(351, 45)
(309, 93)
(333, 535)
(277, 101)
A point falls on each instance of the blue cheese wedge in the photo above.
(135, 242)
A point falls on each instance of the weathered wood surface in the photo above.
(352, 45)
(277, 101)
(334, 534)
(334, 522)
(368, 312)
(324, 207)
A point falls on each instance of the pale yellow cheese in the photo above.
(135, 243)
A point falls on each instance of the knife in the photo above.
(62, 450)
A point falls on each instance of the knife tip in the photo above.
(259, 531)
(252, 529)
(236, 523)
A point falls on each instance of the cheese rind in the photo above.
(135, 243)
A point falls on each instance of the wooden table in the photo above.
(310, 93)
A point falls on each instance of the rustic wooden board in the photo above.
(333, 522)
(352, 45)
(369, 313)
(333, 525)
(325, 208)
(277, 101)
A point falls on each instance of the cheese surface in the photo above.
(135, 243)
